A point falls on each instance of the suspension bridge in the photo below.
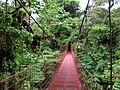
(68, 73)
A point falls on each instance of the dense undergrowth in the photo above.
(22, 45)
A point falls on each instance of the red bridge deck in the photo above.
(66, 77)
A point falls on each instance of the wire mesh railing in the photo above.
(87, 81)
(16, 80)
(37, 76)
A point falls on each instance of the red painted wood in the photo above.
(66, 78)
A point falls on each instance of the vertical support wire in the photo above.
(29, 11)
(15, 3)
(6, 7)
(111, 56)
(85, 12)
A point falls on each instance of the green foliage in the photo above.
(96, 54)
(61, 26)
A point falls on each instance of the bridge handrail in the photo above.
(16, 74)
(83, 66)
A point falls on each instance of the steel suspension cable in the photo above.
(33, 18)
(18, 81)
(85, 12)
(110, 24)
(111, 56)
(25, 77)
(17, 73)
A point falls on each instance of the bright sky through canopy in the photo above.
(83, 4)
